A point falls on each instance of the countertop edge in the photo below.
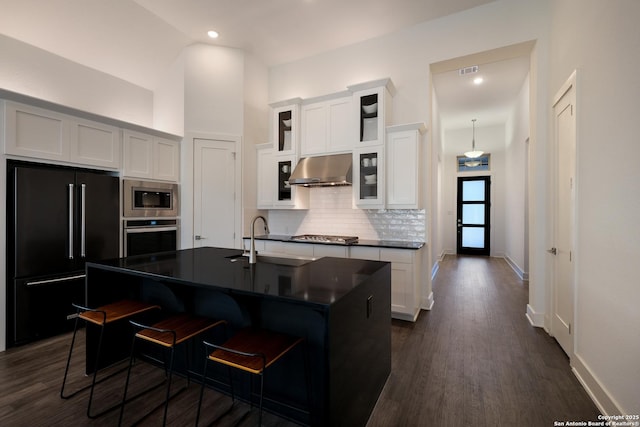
(389, 244)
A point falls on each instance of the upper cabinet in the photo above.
(44, 134)
(286, 126)
(326, 125)
(372, 110)
(404, 165)
(150, 157)
(273, 189)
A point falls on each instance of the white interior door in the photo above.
(214, 188)
(564, 221)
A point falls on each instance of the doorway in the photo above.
(474, 212)
(215, 214)
(563, 284)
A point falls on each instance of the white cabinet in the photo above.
(372, 110)
(166, 159)
(273, 189)
(403, 166)
(368, 178)
(285, 125)
(44, 134)
(265, 172)
(405, 286)
(95, 144)
(406, 267)
(150, 157)
(326, 125)
(321, 250)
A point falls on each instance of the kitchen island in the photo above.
(341, 307)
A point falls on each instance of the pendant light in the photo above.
(473, 154)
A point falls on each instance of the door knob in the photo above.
(198, 237)
(553, 251)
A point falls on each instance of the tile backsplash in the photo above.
(331, 212)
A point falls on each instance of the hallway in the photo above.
(475, 359)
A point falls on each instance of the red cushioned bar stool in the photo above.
(101, 316)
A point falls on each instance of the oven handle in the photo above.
(149, 229)
(58, 280)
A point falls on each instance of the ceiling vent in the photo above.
(468, 70)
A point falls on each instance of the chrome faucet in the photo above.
(252, 250)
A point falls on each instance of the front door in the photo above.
(474, 208)
(563, 257)
(215, 213)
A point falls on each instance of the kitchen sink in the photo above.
(271, 259)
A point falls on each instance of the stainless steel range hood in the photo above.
(322, 171)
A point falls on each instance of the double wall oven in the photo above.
(150, 211)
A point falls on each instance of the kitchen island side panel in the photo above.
(359, 350)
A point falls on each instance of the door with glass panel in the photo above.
(474, 207)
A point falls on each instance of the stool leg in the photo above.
(204, 377)
(166, 402)
(95, 372)
(66, 369)
(261, 391)
(126, 384)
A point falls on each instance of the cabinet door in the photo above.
(313, 129)
(370, 106)
(266, 178)
(138, 154)
(341, 123)
(35, 132)
(95, 144)
(402, 298)
(330, 250)
(285, 129)
(402, 163)
(364, 252)
(288, 196)
(368, 178)
(166, 160)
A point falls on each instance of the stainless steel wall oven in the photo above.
(145, 236)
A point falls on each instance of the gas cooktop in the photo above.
(320, 238)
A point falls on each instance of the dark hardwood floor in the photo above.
(472, 360)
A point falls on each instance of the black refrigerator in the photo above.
(57, 219)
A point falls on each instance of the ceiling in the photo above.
(491, 102)
(136, 40)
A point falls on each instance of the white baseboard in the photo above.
(515, 267)
(600, 396)
(427, 304)
(536, 319)
(434, 270)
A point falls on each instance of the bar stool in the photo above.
(101, 316)
(250, 350)
(167, 334)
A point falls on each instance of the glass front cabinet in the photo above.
(368, 177)
(372, 103)
(286, 126)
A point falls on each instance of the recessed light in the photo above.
(478, 80)
(212, 34)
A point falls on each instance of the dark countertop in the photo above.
(319, 282)
(390, 244)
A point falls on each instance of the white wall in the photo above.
(490, 139)
(601, 40)
(256, 128)
(517, 132)
(31, 71)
